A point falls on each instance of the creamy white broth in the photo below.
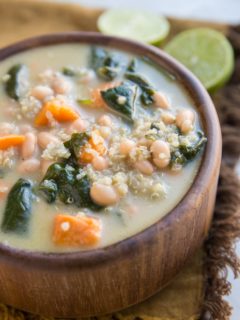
(115, 227)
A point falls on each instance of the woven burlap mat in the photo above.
(197, 292)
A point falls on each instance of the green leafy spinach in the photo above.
(48, 188)
(69, 72)
(122, 99)
(147, 90)
(132, 66)
(107, 65)
(13, 83)
(186, 153)
(18, 208)
(75, 143)
(66, 181)
(69, 185)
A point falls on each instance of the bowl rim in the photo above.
(206, 109)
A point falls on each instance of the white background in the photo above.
(213, 10)
(217, 10)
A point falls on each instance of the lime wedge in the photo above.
(137, 25)
(207, 53)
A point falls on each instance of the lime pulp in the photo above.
(207, 53)
(133, 24)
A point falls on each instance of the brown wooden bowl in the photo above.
(104, 280)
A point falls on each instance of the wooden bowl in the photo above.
(109, 279)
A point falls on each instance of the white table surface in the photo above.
(212, 10)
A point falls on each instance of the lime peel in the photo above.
(207, 53)
(137, 25)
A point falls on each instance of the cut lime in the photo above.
(142, 26)
(207, 53)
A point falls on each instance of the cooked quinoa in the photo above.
(93, 145)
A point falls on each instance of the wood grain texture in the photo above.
(105, 280)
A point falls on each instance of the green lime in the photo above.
(207, 53)
(137, 25)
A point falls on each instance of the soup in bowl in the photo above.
(100, 139)
(96, 145)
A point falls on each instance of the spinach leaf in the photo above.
(13, 84)
(62, 181)
(18, 208)
(74, 145)
(147, 90)
(76, 142)
(54, 171)
(75, 191)
(155, 125)
(109, 70)
(177, 158)
(48, 188)
(121, 99)
(82, 194)
(191, 151)
(132, 67)
(98, 55)
(56, 175)
(107, 65)
(65, 182)
(69, 72)
(186, 153)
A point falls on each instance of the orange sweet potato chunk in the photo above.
(12, 140)
(96, 142)
(59, 111)
(76, 231)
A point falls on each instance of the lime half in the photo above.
(142, 26)
(207, 53)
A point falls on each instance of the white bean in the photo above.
(29, 145)
(99, 163)
(61, 86)
(44, 138)
(78, 125)
(87, 77)
(161, 162)
(105, 121)
(185, 120)
(186, 126)
(41, 92)
(126, 146)
(144, 166)
(168, 118)
(45, 164)
(161, 153)
(104, 195)
(105, 131)
(160, 146)
(47, 75)
(29, 166)
(161, 100)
